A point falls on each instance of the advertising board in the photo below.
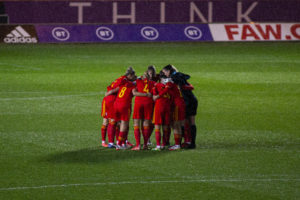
(123, 33)
(255, 32)
(13, 34)
(100, 33)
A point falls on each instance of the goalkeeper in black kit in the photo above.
(191, 103)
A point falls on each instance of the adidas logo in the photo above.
(19, 35)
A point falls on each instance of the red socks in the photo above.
(168, 134)
(177, 138)
(103, 132)
(151, 128)
(121, 138)
(111, 129)
(157, 137)
(166, 137)
(117, 132)
(137, 135)
(146, 134)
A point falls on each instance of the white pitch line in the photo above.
(20, 66)
(49, 97)
(148, 182)
(26, 92)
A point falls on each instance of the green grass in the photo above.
(248, 123)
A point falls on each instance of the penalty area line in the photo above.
(147, 182)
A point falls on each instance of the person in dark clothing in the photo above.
(190, 99)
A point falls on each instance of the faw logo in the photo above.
(255, 32)
(19, 35)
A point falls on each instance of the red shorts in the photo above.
(143, 110)
(179, 112)
(161, 114)
(122, 111)
(108, 107)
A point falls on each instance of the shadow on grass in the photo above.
(105, 155)
(100, 155)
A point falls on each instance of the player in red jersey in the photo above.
(107, 113)
(143, 107)
(162, 111)
(122, 105)
(178, 111)
(190, 101)
(104, 123)
(112, 127)
(153, 76)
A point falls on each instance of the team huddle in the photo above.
(163, 102)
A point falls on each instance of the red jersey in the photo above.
(143, 106)
(144, 86)
(176, 94)
(108, 101)
(122, 105)
(187, 86)
(162, 90)
(178, 110)
(125, 92)
(162, 109)
(114, 85)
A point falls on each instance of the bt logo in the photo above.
(149, 33)
(104, 33)
(193, 32)
(60, 34)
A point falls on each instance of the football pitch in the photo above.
(248, 138)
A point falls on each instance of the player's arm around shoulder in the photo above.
(155, 92)
(113, 91)
(140, 94)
